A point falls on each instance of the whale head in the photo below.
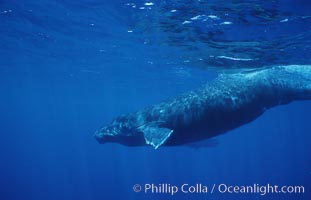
(122, 130)
(134, 130)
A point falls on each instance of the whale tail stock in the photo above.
(289, 83)
(296, 79)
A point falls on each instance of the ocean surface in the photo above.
(69, 67)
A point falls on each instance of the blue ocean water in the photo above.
(68, 67)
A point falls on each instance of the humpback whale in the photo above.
(225, 103)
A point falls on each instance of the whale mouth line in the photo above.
(104, 138)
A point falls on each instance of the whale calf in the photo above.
(225, 103)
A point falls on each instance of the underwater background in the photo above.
(69, 67)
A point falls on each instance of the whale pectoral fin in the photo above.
(156, 136)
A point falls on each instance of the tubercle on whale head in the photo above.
(106, 134)
(120, 130)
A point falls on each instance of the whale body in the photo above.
(225, 103)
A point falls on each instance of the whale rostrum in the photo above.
(225, 103)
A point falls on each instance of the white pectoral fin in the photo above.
(156, 136)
